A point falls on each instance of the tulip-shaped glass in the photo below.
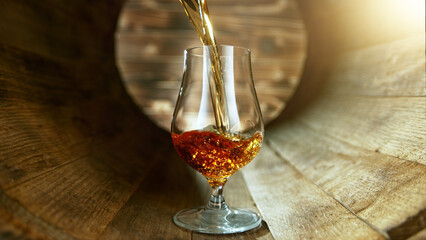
(217, 128)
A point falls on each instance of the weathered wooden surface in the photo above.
(78, 160)
(152, 71)
(356, 126)
(300, 209)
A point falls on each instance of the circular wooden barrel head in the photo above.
(151, 39)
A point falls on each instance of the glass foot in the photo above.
(223, 221)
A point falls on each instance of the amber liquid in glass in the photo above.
(215, 151)
(215, 156)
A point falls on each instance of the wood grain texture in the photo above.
(78, 160)
(300, 209)
(392, 69)
(382, 190)
(386, 104)
(73, 146)
(355, 127)
(18, 223)
(152, 36)
(151, 207)
(393, 126)
(390, 123)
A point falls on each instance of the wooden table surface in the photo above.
(79, 159)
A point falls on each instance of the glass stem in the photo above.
(217, 201)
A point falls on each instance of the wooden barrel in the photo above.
(152, 71)
(344, 160)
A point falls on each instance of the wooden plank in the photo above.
(390, 69)
(261, 233)
(373, 108)
(337, 27)
(169, 187)
(80, 198)
(17, 165)
(295, 208)
(34, 68)
(350, 114)
(24, 98)
(60, 148)
(384, 191)
(16, 222)
(392, 126)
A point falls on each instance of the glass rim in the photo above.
(244, 51)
